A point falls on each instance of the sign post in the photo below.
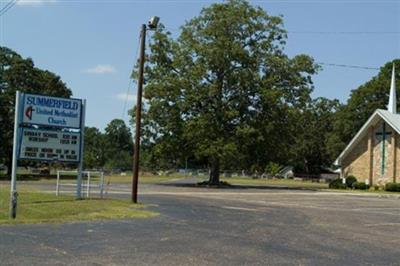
(47, 129)
(13, 196)
(80, 166)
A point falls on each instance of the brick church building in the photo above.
(373, 155)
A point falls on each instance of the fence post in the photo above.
(101, 184)
(88, 185)
(58, 183)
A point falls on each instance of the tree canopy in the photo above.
(224, 91)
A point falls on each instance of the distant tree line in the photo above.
(109, 150)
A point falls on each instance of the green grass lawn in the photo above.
(142, 179)
(68, 178)
(36, 207)
(275, 182)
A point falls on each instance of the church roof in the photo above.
(392, 119)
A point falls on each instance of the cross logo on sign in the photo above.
(28, 112)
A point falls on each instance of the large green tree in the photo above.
(17, 73)
(223, 90)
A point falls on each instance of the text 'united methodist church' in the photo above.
(52, 111)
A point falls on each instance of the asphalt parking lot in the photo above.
(200, 226)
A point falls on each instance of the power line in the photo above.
(126, 98)
(7, 7)
(347, 66)
(346, 32)
(331, 32)
(177, 30)
(130, 80)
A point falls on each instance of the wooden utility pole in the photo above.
(136, 150)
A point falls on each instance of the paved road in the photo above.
(221, 227)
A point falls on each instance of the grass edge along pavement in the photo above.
(36, 207)
(278, 182)
(143, 179)
(304, 185)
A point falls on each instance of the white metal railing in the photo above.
(89, 175)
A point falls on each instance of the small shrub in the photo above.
(337, 184)
(392, 187)
(255, 170)
(360, 185)
(350, 180)
(273, 168)
(376, 187)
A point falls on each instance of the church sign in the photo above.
(47, 145)
(49, 129)
(51, 111)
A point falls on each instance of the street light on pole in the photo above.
(152, 25)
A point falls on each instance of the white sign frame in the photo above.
(21, 124)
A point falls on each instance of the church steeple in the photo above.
(392, 106)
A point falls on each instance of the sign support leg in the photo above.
(79, 182)
(80, 165)
(13, 194)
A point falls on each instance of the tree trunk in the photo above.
(307, 168)
(214, 174)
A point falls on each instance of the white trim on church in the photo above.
(391, 119)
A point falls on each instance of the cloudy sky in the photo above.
(92, 45)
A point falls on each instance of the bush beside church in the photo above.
(352, 183)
